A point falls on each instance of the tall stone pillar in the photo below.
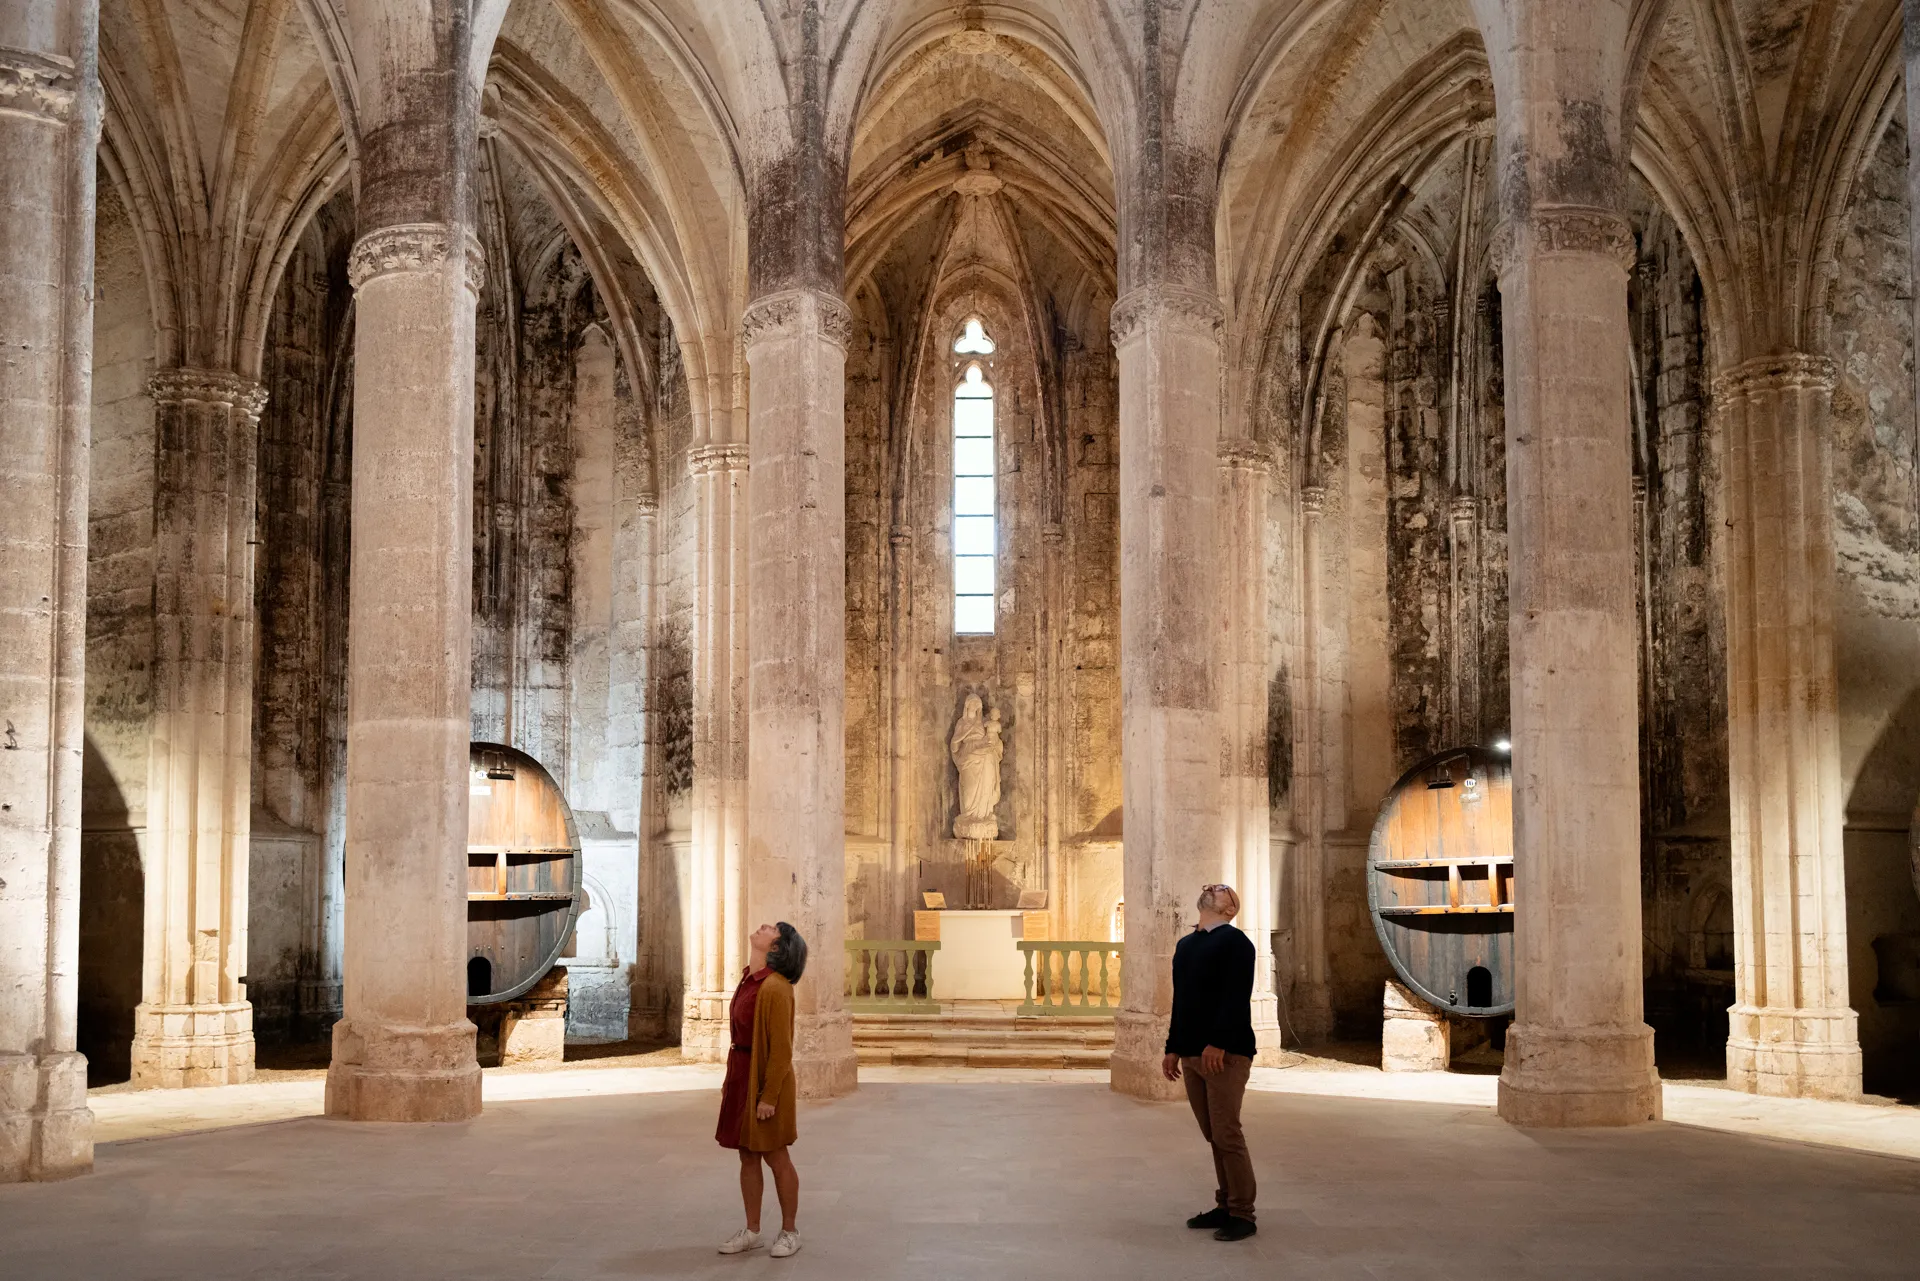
(796, 346)
(1310, 1012)
(194, 1025)
(49, 125)
(1792, 1031)
(716, 940)
(1247, 861)
(1168, 341)
(404, 1049)
(1579, 1052)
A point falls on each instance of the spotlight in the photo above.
(1503, 746)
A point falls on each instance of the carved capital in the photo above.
(1167, 306)
(208, 387)
(1465, 509)
(1770, 375)
(414, 247)
(1313, 499)
(647, 504)
(900, 536)
(1564, 229)
(37, 84)
(791, 312)
(723, 458)
(1241, 454)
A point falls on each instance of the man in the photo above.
(1210, 1044)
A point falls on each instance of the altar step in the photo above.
(977, 1037)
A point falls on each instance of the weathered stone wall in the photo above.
(1051, 666)
(1877, 544)
(300, 672)
(1686, 858)
(120, 561)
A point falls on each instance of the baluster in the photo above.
(1085, 956)
(1027, 979)
(893, 974)
(926, 971)
(1104, 1002)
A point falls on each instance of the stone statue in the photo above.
(977, 750)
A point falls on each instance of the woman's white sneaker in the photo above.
(742, 1241)
(785, 1244)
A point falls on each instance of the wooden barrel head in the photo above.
(1440, 881)
(523, 873)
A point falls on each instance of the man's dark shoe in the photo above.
(1215, 1218)
(1235, 1229)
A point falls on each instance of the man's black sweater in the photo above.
(1212, 993)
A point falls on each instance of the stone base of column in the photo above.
(824, 1063)
(180, 1046)
(1798, 1054)
(46, 1131)
(1266, 1031)
(388, 1072)
(1558, 1078)
(1139, 1044)
(706, 1026)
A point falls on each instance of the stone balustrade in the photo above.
(1072, 977)
(891, 976)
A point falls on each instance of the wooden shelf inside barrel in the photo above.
(523, 873)
(1440, 876)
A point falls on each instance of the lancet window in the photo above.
(975, 511)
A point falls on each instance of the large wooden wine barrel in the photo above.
(523, 873)
(1440, 881)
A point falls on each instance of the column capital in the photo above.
(208, 387)
(414, 247)
(1782, 371)
(1191, 310)
(726, 458)
(1243, 454)
(787, 312)
(1313, 499)
(1564, 229)
(37, 84)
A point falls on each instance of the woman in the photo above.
(757, 1103)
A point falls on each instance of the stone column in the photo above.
(716, 942)
(1579, 1052)
(404, 1049)
(1792, 1031)
(796, 342)
(1311, 1011)
(194, 1025)
(1247, 860)
(49, 125)
(1168, 340)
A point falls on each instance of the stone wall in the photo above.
(119, 708)
(1876, 537)
(1051, 666)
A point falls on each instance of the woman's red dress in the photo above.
(736, 1094)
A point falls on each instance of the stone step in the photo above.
(958, 1054)
(982, 1038)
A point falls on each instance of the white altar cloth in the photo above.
(978, 959)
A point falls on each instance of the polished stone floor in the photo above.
(975, 1177)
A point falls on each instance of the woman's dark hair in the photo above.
(788, 955)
